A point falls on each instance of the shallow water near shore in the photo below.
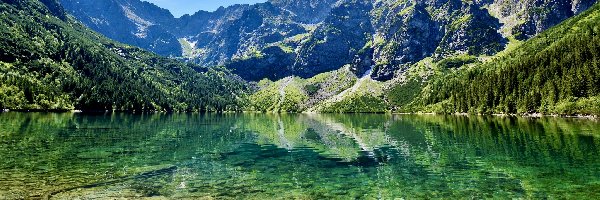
(296, 156)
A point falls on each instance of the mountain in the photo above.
(130, 22)
(50, 61)
(307, 56)
(555, 72)
(282, 38)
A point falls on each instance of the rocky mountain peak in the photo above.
(307, 37)
(308, 11)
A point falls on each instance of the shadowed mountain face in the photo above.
(306, 37)
(133, 22)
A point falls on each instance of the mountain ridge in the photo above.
(555, 72)
(52, 63)
(397, 33)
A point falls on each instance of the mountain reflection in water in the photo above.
(304, 156)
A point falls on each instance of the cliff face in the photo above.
(306, 37)
(307, 11)
(336, 40)
(129, 21)
(524, 19)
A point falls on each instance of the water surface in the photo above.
(303, 156)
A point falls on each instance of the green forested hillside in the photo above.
(48, 61)
(557, 72)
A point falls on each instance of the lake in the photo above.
(296, 156)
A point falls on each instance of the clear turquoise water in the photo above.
(303, 156)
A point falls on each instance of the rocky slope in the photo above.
(132, 22)
(280, 38)
(557, 72)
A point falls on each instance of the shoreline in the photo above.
(105, 111)
(528, 115)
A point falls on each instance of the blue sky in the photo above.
(181, 7)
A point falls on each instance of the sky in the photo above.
(181, 7)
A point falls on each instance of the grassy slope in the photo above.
(299, 94)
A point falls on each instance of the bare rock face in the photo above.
(525, 19)
(280, 38)
(306, 11)
(475, 32)
(274, 63)
(407, 33)
(337, 40)
(129, 21)
(414, 30)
